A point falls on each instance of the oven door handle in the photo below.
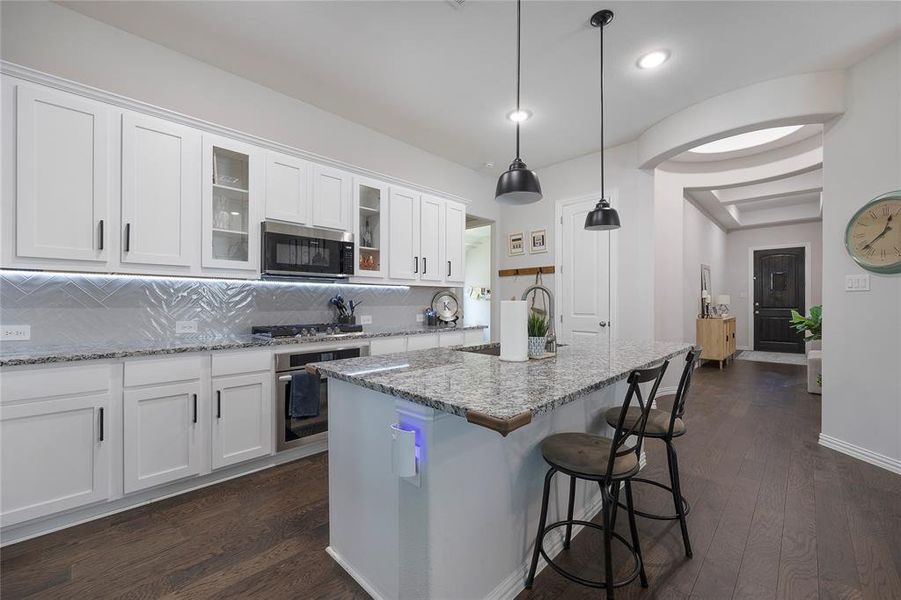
(284, 378)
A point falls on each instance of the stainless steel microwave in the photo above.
(294, 250)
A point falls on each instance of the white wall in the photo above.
(737, 273)
(704, 242)
(53, 39)
(862, 331)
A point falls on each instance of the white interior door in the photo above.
(584, 287)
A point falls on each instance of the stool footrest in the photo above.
(581, 580)
(686, 506)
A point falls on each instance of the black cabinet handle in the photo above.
(100, 245)
(423, 265)
(101, 424)
(127, 237)
(195, 408)
(416, 264)
(448, 268)
(218, 404)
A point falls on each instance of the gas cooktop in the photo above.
(310, 330)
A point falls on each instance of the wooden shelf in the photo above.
(526, 271)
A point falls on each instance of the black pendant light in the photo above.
(602, 217)
(518, 184)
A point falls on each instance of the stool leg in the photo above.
(677, 494)
(607, 500)
(542, 520)
(634, 529)
(615, 506)
(569, 512)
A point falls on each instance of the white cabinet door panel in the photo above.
(161, 181)
(380, 346)
(62, 168)
(431, 238)
(422, 342)
(242, 419)
(54, 457)
(331, 198)
(288, 183)
(163, 435)
(403, 244)
(455, 232)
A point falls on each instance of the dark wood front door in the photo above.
(778, 288)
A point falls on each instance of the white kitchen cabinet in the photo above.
(288, 188)
(332, 198)
(473, 337)
(242, 418)
(450, 338)
(55, 456)
(232, 197)
(454, 241)
(163, 434)
(62, 176)
(161, 189)
(431, 238)
(380, 346)
(422, 342)
(403, 247)
(371, 227)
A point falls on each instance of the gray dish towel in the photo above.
(304, 395)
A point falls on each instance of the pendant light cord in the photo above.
(603, 197)
(518, 62)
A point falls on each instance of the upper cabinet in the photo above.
(232, 194)
(288, 188)
(332, 198)
(371, 230)
(62, 176)
(403, 216)
(161, 166)
(454, 241)
(431, 238)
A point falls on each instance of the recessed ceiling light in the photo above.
(654, 59)
(518, 116)
(746, 140)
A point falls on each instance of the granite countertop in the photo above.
(12, 354)
(496, 394)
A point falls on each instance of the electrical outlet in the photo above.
(365, 319)
(857, 283)
(420, 318)
(15, 333)
(186, 327)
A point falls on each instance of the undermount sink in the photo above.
(490, 350)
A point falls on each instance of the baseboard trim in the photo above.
(364, 583)
(868, 456)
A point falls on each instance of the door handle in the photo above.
(756, 312)
(284, 378)
(195, 409)
(416, 264)
(218, 404)
(127, 237)
(101, 424)
(424, 264)
(100, 244)
(603, 323)
(448, 268)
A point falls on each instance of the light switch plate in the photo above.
(857, 283)
(15, 333)
(186, 327)
(365, 319)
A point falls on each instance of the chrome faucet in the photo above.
(551, 345)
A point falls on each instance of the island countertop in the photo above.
(497, 394)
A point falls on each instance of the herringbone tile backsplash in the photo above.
(63, 308)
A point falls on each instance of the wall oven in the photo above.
(292, 431)
(295, 250)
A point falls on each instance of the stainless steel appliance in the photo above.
(294, 432)
(298, 251)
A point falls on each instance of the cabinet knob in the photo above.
(603, 323)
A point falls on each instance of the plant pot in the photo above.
(815, 371)
(537, 345)
(347, 319)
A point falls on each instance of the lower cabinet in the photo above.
(55, 456)
(422, 341)
(163, 434)
(242, 418)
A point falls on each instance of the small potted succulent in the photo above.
(538, 326)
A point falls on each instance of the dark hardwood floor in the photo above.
(774, 515)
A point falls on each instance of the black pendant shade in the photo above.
(602, 217)
(518, 184)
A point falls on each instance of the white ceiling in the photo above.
(441, 78)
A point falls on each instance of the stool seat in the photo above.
(587, 454)
(657, 425)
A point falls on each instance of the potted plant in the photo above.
(538, 326)
(812, 327)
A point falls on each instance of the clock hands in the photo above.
(888, 227)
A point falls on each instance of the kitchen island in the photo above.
(463, 524)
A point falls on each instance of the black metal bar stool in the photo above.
(663, 425)
(608, 462)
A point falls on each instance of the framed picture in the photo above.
(538, 241)
(515, 247)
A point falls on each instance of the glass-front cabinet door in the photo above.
(370, 227)
(232, 178)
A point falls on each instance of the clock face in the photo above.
(873, 237)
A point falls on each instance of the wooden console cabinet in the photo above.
(716, 337)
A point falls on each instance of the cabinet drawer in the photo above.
(422, 342)
(472, 337)
(231, 363)
(163, 370)
(46, 382)
(450, 338)
(387, 346)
